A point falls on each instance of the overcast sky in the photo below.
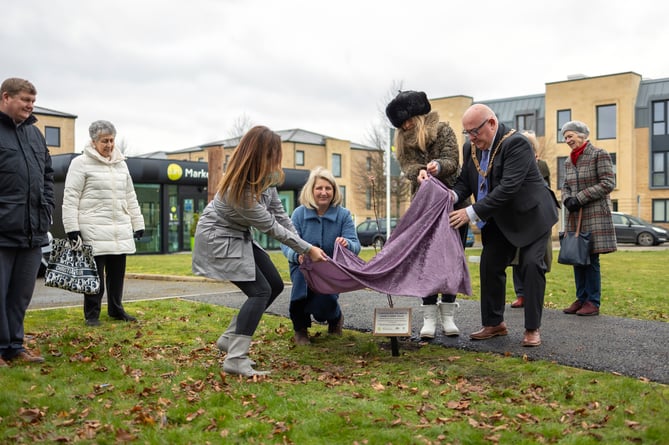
(175, 74)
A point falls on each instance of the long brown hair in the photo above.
(254, 166)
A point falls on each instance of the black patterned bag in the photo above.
(72, 270)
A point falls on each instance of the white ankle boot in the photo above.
(429, 328)
(237, 361)
(447, 311)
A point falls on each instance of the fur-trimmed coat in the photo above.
(441, 146)
(591, 181)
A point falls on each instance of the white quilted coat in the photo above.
(100, 202)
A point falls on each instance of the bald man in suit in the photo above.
(515, 211)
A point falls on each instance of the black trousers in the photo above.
(111, 269)
(496, 256)
(18, 270)
(261, 293)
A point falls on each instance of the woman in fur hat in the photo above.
(425, 146)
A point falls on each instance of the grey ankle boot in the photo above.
(224, 340)
(237, 361)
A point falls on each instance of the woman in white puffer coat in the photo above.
(100, 208)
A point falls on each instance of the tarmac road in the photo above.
(635, 348)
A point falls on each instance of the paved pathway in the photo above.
(635, 348)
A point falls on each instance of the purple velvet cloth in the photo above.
(423, 256)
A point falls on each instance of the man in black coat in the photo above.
(26, 206)
(515, 210)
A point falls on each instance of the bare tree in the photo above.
(240, 126)
(122, 146)
(375, 169)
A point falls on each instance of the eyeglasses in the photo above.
(475, 132)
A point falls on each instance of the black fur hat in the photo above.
(405, 105)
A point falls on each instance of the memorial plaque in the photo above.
(391, 322)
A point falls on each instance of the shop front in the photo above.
(171, 195)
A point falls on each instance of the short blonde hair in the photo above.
(307, 194)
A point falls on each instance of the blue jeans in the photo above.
(589, 281)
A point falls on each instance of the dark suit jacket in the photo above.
(518, 201)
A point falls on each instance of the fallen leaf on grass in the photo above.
(196, 414)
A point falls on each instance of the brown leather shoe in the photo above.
(336, 327)
(531, 337)
(27, 357)
(302, 337)
(520, 302)
(588, 309)
(489, 332)
(575, 306)
(3, 363)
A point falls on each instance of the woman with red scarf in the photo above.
(589, 180)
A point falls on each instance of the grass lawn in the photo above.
(159, 381)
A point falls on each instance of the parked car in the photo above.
(369, 233)
(630, 229)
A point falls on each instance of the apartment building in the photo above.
(628, 116)
(57, 128)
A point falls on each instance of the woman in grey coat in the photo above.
(224, 246)
(588, 183)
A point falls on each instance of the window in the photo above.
(661, 210)
(336, 165)
(369, 163)
(659, 169)
(526, 122)
(563, 116)
(368, 199)
(225, 163)
(615, 169)
(659, 143)
(342, 189)
(52, 136)
(660, 118)
(148, 196)
(299, 157)
(606, 122)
